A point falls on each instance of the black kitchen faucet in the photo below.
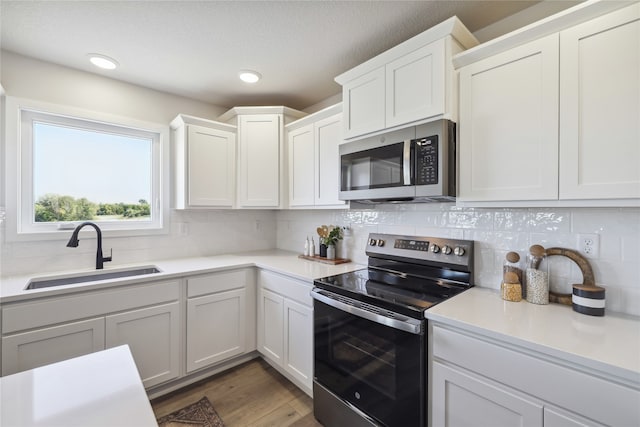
(100, 259)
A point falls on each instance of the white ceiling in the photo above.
(195, 48)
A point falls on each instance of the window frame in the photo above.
(19, 162)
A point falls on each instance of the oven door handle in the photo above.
(398, 321)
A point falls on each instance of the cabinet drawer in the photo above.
(39, 313)
(293, 289)
(560, 385)
(217, 282)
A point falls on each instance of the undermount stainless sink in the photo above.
(91, 277)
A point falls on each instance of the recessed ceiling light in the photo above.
(249, 76)
(103, 61)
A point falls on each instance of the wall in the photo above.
(496, 231)
(192, 233)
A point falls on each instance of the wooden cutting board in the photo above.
(325, 260)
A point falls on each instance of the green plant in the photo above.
(335, 234)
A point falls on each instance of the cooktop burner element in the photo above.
(407, 274)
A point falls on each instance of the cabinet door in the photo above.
(302, 167)
(271, 325)
(298, 341)
(554, 417)
(153, 337)
(600, 107)
(215, 328)
(363, 103)
(415, 85)
(328, 136)
(41, 347)
(259, 160)
(463, 400)
(211, 167)
(509, 125)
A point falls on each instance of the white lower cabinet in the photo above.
(477, 381)
(153, 335)
(145, 316)
(461, 399)
(285, 327)
(28, 350)
(220, 317)
(298, 341)
(271, 326)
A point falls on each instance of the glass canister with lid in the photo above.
(536, 278)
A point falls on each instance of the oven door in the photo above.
(375, 363)
(378, 167)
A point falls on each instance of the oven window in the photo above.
(368, 358)
(375, 168)
(378, 369)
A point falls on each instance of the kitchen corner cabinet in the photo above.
(261, 159)
(204, 163)
(145, 316)
(555, 118)
(285, 327)
(220, 317)
(314, 159)
(477, 380)
(409, 83)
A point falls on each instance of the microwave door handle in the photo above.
(406, 162)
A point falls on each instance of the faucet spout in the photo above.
(100, 258)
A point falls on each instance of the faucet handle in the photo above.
(108, 258)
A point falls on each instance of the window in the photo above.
(75, 169)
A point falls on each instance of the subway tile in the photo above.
(549, 221)
(511, 220)
(477, 220)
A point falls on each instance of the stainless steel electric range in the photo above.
(370, 346)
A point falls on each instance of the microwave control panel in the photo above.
(426, 152)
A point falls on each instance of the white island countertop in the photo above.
(99, 389)
(608, 344)
(279, 261)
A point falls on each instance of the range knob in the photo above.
(446, 250)
(372, 242)
(459, 251)
(435, 248)
(380, 242)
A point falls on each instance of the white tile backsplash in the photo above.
(192, 234)
(497, 231)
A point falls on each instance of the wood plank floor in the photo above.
(252, 395)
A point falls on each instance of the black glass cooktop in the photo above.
(397, 292)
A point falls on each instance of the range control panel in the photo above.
(433, 249)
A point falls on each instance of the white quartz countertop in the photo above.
(99, 389)
(285, 262)
(609, 344)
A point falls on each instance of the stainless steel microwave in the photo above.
(415, 164)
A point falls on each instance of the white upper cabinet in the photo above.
(259, 155)
(328, 136)
(415, 85)
(364, 107)
(204, 162)
(409, 83)
(261, 170)
(301, 166)
(509, 124)
(314, 160)
(551, 112)
(600, 107)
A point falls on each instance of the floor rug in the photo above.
(199, 414)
